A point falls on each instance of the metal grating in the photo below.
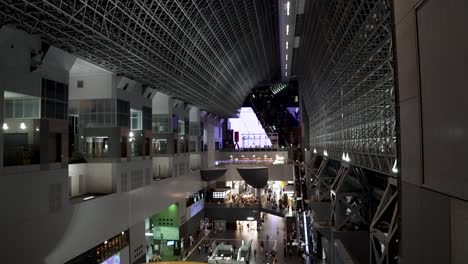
(345, 73)
(207, 52)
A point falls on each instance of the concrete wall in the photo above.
(431, 40)
(125, 256)
(137, 242)
(162, 104)
(73, 229)
(98, 83)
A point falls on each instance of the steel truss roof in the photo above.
(346, 80)
(207, 52)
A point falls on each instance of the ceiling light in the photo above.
(88, 198)
(37, 129)
(23, 125)
(287, 45)
(347, 157)
(286, 74)
(131, 134)
(325, 153)
(315, 151)
(287, 8)
(287, 30)
(250, 218)
(286, 66)
(5, 126)
(286, 56)
(395, 169)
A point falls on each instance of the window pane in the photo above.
(59, 92)
(28, 108)
(50, 109)
(50, 89)
(36, 113)
(60, 111)
(18, 108)
(9, 109)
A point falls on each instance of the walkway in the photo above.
(235, 237)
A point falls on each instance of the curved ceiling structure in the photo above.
(212, 174)
(256, 177)
(210, 53)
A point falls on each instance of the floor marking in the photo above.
(195, 247)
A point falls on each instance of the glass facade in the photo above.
(97, 113)
(22, 108)
(194, 129)
(54, 104)
(181, 127)
(161, 123)
(123, 113)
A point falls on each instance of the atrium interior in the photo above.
(234, 131)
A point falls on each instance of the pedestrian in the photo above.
(206, 247)
(199, 249)
(255, 253)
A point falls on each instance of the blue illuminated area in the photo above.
(115, 259)
(251, 132)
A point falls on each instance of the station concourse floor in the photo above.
(235, 237)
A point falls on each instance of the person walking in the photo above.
(255, 253)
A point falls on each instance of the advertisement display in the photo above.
(166, 232)
(195, 208)
(113, 260)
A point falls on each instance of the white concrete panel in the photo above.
(125, 256)
(97, 177)
(135, 97)
(195, 161)
(95, 86)
(162, 104)
(137, 241)
(443, 38)
(194, 114)
(459, 230)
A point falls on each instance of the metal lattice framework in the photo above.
(207, 52)
(346, 80)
